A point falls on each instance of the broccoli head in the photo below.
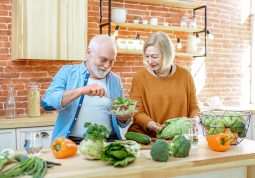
(180, 146)
(160, 151)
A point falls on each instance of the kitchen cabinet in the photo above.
(7, 139)
(171, 3)
(49, 29)
(12, 131)
(46, 133)
(15, 138)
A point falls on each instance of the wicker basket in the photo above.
(234, 123)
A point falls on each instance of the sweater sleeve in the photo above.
(193, 105)
(140, 118)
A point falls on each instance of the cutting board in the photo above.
(153, 140)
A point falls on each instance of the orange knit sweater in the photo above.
(160, 99)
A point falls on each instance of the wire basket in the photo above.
(234, 123)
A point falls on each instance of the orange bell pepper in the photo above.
(219, 142)
(63, 147)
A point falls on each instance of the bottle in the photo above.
(34, 101)
(10, 104)
(115, 33)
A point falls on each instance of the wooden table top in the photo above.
(201, 159)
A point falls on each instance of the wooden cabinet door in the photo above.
(21, 132)
(7, 139)
(49, 29)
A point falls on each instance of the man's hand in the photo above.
(93, 90)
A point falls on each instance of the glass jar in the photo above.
(183, 22)
(10, 104)
(193, 23)
(34, 101)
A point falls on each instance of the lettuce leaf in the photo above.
(120, 154)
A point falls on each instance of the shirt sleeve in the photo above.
(52, 99)
(140, 118)
(193, 104)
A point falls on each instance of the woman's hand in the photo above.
(195, 120)
(156, 127)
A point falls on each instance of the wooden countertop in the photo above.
(201, 159)
(43, 120)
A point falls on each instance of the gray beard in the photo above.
(96, 72)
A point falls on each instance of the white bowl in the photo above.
(119, 15)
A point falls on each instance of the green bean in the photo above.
(39, 169)
(32, 171)
(44, 171)
(18, 169)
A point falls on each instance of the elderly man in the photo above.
(82, 92)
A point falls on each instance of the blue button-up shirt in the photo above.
(71, 77)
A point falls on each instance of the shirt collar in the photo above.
(83, 68)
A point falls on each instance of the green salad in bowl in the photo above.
(123, 107)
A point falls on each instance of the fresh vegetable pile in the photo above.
(161, 150)
(174, 127)
(93, 142)
(123, 107)
(120, 154)
(234, 124)
(33, 166)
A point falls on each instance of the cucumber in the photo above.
(138, 137)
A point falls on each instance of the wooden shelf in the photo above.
(132, 51)
(173, 3)
(190, 55)
(129, 51)
(159, 27)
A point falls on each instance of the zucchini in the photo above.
(138, 137)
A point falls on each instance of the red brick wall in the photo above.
(224, 63)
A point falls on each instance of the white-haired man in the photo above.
(79, 91)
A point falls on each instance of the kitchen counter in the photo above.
(19, 122)
(201, 160)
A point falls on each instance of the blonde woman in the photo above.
(163, 90)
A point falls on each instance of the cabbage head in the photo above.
(174, 127)
(91, 149)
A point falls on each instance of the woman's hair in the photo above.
(165, 45)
